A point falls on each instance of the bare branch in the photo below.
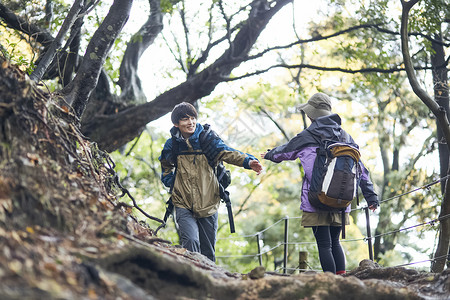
(420, 92)
(280, 128)
(57, 42)
(78, 91)
(227, 24)
(339, 33)
(16, 22)
(328, 69)
(186, 36)
(227, 37)
(129, 80)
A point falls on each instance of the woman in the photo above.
(326, 225)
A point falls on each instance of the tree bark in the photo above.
(77, 93)
(444, 230)
(51, 51)
(440, 83)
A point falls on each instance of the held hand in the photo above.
(373, 207)
(263, 154)
(256, 166)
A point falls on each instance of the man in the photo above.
(326, 225)
(195, 189)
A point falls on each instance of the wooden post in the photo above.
(302, 261)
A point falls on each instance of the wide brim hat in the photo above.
(318, 105)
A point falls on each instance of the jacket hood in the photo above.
(328, 127)
(175, 132)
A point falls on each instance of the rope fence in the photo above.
(368, 238)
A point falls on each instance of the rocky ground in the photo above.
(45, 264)
(65, 234)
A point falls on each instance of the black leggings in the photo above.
(331, 255)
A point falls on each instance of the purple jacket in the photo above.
(303, 146)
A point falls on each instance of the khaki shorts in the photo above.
(323, 219)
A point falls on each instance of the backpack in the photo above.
(335, 177)
(206, 139)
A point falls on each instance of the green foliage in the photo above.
(15, 49)
(12, 52)
(428, 16)
(168, 6)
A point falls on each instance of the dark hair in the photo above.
(181, 111)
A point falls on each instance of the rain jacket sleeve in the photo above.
(216, 150)
(167, 166)
(232, 156)
(292, 149)
(367, 188)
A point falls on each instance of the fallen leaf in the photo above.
(65, 109)
(50, 267)
(92, 294)
(33, 158)
(91, 249)
(15, 266)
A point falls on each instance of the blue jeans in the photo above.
(197, 234)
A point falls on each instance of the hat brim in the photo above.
(313, 112)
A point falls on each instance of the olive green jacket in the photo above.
(195, 186)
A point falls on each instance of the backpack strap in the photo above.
(206, 139)
(205, 132)
(343, 223)
(347, 139)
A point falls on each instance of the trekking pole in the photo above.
(230, 217)
(226, 198)
(169, 211)
(369, 234)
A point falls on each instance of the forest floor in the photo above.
(65, 234)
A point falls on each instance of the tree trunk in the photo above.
(443, 123)
(441, 92)
(441, 95)
(384, 142)
(77, 93)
